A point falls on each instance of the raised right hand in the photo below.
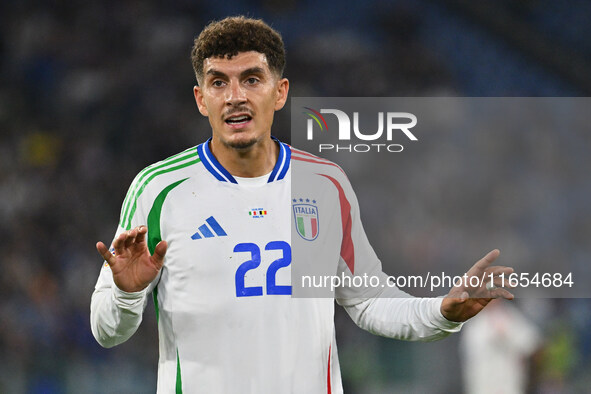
(132, 266)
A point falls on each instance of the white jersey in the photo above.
(227, 320)
(495, 349)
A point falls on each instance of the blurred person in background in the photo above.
(496, 349)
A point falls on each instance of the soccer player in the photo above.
(208, 233)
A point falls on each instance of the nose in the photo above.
(235, 95)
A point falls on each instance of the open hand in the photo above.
(132, 266)
(465, 300)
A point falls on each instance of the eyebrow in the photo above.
(252, 70)
(248, 71)
(215, 73)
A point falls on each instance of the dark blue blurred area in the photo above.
(93, 91)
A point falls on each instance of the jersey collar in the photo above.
(221, 174)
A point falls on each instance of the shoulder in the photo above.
(167, 170)
(155, 178)
(311, 172)
(307, 162)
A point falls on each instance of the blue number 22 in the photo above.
(255, 261)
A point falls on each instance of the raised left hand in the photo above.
(465, 301)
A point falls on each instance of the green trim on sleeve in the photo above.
(154, 233)
(132, 192)
(132, 202)
(179, 382)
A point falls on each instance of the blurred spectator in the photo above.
(496, 349)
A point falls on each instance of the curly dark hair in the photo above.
(228, 37)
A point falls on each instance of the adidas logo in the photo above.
(206, 231)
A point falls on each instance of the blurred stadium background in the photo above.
(93, 91)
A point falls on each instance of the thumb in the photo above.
(104, 252)
(159, 253)
(459, 298)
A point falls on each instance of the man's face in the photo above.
(240, 96)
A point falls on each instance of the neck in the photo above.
(256, 160)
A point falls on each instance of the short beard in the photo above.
(241, 145)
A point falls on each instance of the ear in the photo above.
(200, 101)
(282, 90)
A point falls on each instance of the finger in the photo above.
(502, 293)
(105, 252)
(159, 253)
(131, 234)
(501, 282)
(499, 269)
(484, 262)
(141, 234)
(119, 243)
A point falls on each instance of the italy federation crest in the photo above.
(306, 218)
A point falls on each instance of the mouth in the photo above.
(238, 119)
